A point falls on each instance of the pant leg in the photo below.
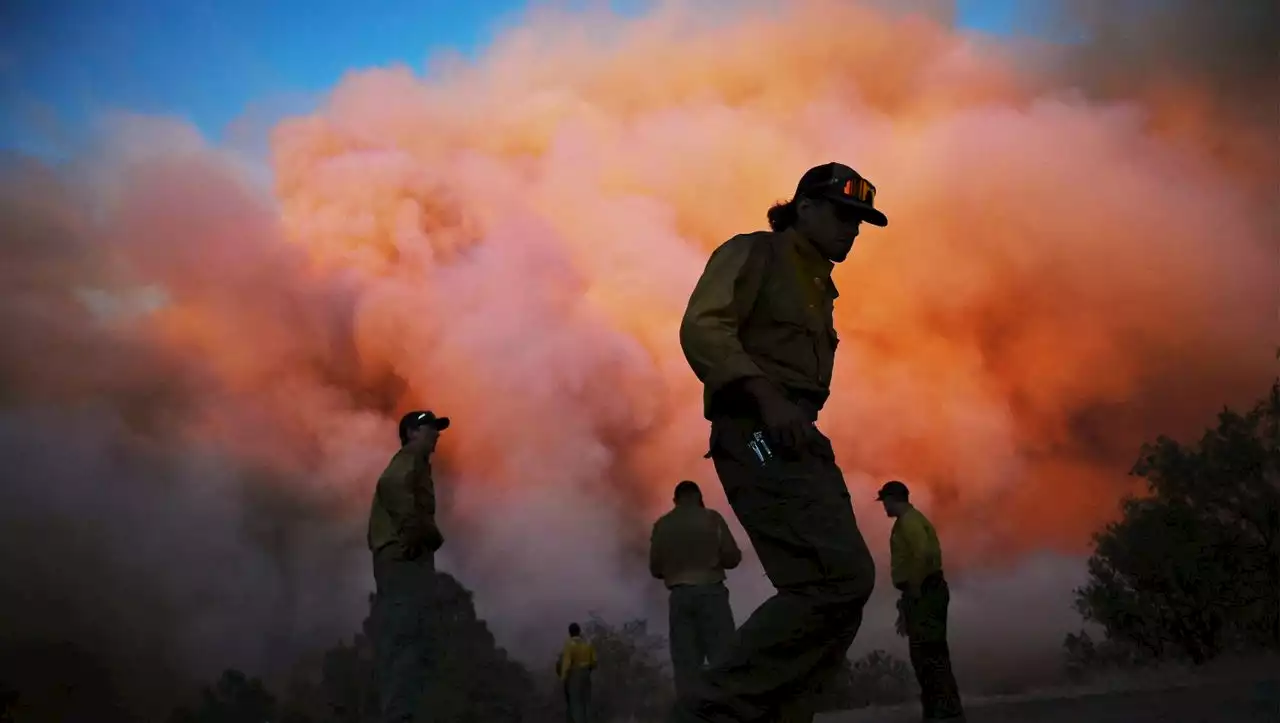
(944, 698)
(682, 630)
(798, 516)
(926, 618)
(579, 695)
(400, 635)
(715, 621)
(802, 707)
(918, 654)
(700, 628)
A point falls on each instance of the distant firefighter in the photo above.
(577, 663)
(689, 550)
(403, 537)
(916, 564)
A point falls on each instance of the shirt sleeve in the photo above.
(566, 658)
(730, 554)
(655, 553)
(915, 544)
(720, 302)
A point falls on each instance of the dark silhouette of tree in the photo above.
(1085, 657)
(632, 681)
(876, 678)
(1193, 568)
(234, 698)
(347, 691)
(63, 680)
(469, 679)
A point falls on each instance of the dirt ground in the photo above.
(1252, 701)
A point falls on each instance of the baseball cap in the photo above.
(687, 487)
(893, 488)
(420, 418)
(840, 183)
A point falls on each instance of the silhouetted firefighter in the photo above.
(403, 538)
(759, 334)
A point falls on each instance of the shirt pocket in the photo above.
(799, 337)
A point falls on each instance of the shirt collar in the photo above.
(809, 255)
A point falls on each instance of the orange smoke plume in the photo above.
(550, 208)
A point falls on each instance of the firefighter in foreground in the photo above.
(577, 661)
(689, 550)
(403, 537)
(916, 565)
(759, 334)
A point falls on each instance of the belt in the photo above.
(932, 581)
(734, 402)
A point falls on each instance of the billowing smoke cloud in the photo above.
(202, 376)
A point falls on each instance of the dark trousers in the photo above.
(925, 616)
(700, 626)
(797, 513)
(400, 634)
(577, 695)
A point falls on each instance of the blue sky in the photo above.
(63, 62)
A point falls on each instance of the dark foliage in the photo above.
(234, 698)
(632, 681)
(1192, 569)
(876, 678)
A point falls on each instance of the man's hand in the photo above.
(412, 548)
(785, 423)
(426, 538)
(911, 590)
(432, 540)
(900, 625)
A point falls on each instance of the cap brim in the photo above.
(442, 423)
(870, 214)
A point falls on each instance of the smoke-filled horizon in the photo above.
(202, 375)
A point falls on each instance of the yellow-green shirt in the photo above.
(404, 502)
(913, 549)
(692, 545)
(578, 653)
(763, 307)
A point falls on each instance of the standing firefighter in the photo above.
(759, 334)
(577, 661)
(404, 538)
(916, 564)
(689, 550)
